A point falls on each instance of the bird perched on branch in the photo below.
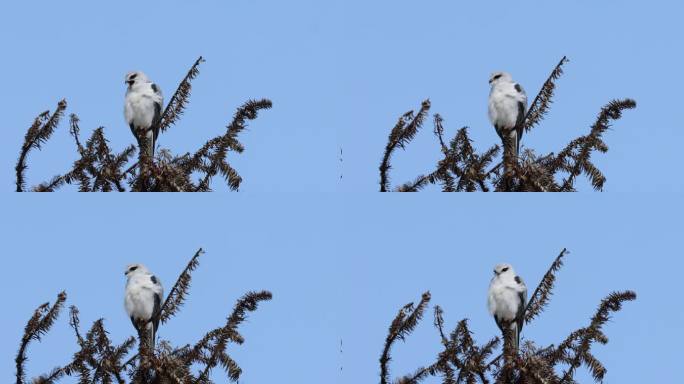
(143, 108)
(143, 300)
(507, 109)
(507, 300)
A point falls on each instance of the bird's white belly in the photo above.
(140, 112)
(503, 112)
(507, 301)
(140, 304)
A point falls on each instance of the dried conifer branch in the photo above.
(612, 303)
(402, 133)
(438, 124)
(403, 324)
(39, 324)
(542, 101)
(612, 111)
(51, 185)
(218, 339)
(40, 131)
(461, 169)
(174, 109)
(542, 294)
(211, 158)
(176, 296)
(50, 377)
(439, 324)
(471, 362)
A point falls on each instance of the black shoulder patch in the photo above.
(156, 89)
(518, 88)
(517, 279)
(154, 279)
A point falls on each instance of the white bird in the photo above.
(143, 299)
(507, 108)
(507, 300)
(143, 108)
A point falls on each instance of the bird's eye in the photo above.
(497, 76)
(133, 76)
(505, 269)
(133, 269)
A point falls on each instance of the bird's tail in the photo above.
(515, 143)
(151, 336)
(515, 336)
(150, 142)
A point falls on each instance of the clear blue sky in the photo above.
(341, 267)
(340, 73)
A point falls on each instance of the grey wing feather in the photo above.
(521, 310)
(522, 296)
(519, 123)
(157, 119)
(157, 115)
(157, 309)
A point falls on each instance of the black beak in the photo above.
(129, 82)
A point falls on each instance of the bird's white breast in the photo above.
(504, 302)
(139, 300)
(139, 108)
(503, 106)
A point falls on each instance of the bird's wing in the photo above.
(157, 302)
(157, 311)
(520, 119)
(157, 110)
(522, 296)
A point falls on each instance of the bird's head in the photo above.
(499, 77)
(503, 269)
(132, 269)
(135, 77)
